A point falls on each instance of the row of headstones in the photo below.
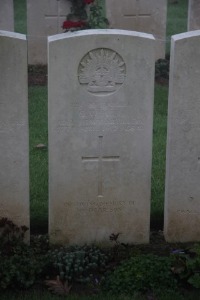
(100, 135)
(46, 17)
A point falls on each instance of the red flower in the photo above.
(73, 24)
(88, 1)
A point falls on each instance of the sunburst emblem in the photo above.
(102, 71)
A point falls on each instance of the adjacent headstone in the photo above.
(182, 205)
(101, 86)
(6, 15)
(193, 15)
(14, 170)
(140, 15)
(44, 17)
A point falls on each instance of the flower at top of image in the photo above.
(88, 1)
(73, 24)
(85, 14)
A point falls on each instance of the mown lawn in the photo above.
(176, 23)
(39, 161)
(38, 122)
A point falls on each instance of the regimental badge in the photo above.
(102, 71)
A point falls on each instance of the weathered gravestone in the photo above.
(182, 205)
(140, 15)
(6, 15)
(14, 171)
(100, 135)
(44, 17)
(193, 15)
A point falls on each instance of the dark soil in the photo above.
(37, 75)
(157, 246)
(162, 81)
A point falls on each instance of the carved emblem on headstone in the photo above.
(102, 71)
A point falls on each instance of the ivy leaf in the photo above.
(195, 280)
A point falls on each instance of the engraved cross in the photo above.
(99, 159)
(137, 15)
(56, 16)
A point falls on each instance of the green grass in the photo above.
(159, 152)
(38, 158)
(39, 164)
(177, 15)
(177, 22)
(20, 16)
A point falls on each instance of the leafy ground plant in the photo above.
(186, 265)
(83, 264)
(21, 265)
(142, 273)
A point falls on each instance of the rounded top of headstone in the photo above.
(101, 32)
(186, 35)
(10, 34)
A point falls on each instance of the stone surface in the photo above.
(182, 205)
(140, 15)
(14, 171)
(44, 18)
(101, 86)
(6, 15)
(193, 15)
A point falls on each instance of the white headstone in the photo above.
(44, 17)
(6, 15)
(193, 15)
(14, 170)
(101, 85)
(182, 205)
(140, 15)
